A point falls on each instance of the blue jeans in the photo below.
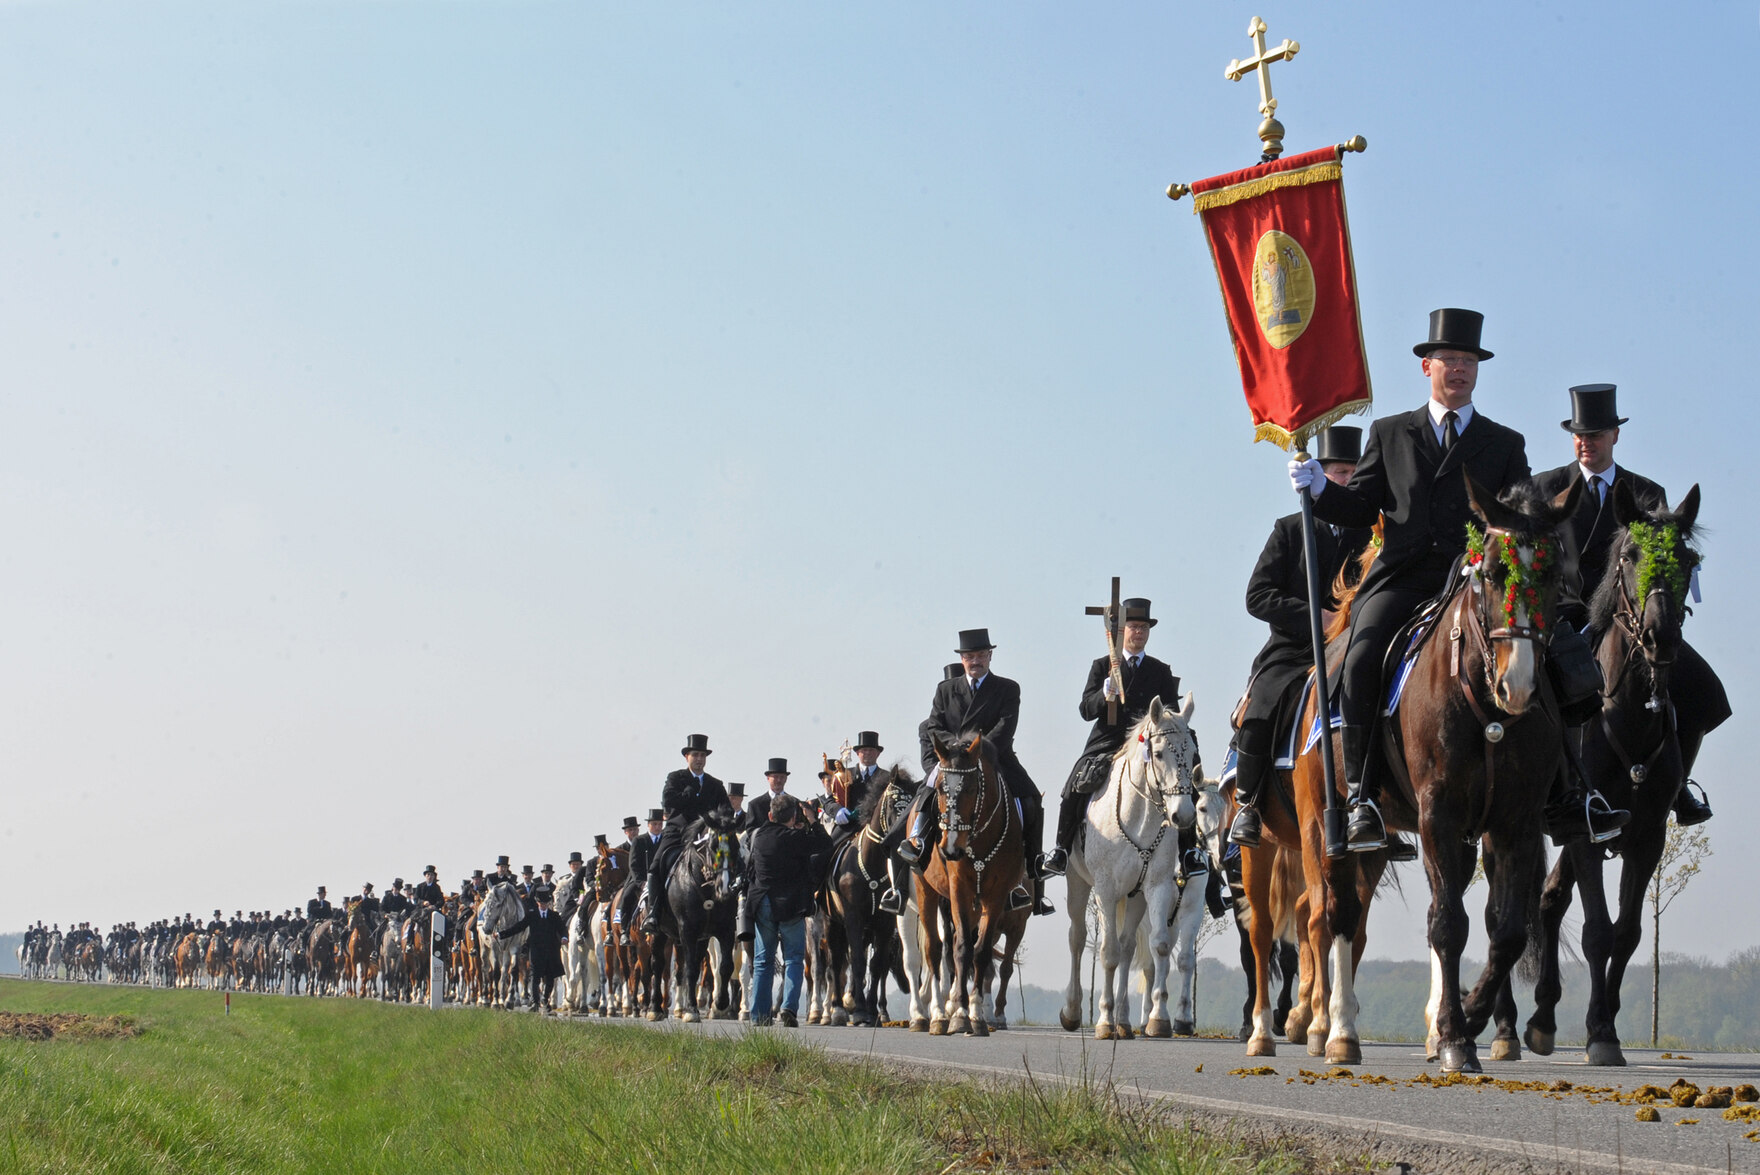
(793, 937)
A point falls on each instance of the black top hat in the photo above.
(525, 870)
(736, 789)
(974, 640)
(364, 885)
(476, 874)
(1454, 330)
(543, 893)
(777, 767)
(868, 738)
(397, 883)
(696, 742)
(502, 860)
(598, 839)
(576, 855)
(656, 814)
(320, 889)
(430, 869)
(1137, 608)
(1593, 409)
(631, 822)
(949, 672)
(1341, 442)
(548, 868)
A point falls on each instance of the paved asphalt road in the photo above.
(1548, 1131)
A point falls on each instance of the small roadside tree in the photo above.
(1683, 855)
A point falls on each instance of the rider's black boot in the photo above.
(1040, 905)
(1252, 767)
(1069, 818)
(651, 923)
(1366, 831)
(1690, 809)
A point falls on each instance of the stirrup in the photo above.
(1366, 831)
(1690, 809)
(891, 902)
(1603, 818)
(909, 853)
(1019, 898)
(1054, 863)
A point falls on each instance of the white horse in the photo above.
(580, 983)
(1128, 858)
(501, 910)
(1188, 920)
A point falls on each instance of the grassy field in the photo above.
(339, 1085)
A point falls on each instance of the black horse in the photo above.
(1632, 753)
(864, 938)
(702, 900)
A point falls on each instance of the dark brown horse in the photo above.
(977, 861)
(1631, 752)
(862, 936)
(1473, 744)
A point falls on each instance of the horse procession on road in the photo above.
(1505, 662)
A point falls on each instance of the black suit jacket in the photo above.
(684, 801)
(1405, 478)
(1155, 679)
(994, 713)
(757, 811)
(1588, 534)
(786, 866)
(1277, 593)
(546, 934)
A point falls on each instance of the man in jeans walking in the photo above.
(786, 862)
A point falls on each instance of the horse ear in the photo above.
(938, 745)
(1189, 707)
(1485, 504)
(972, 747)
(1156, 710)
(1625, 507)
(1565, 503)
(1687, 513)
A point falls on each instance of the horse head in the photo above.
(1166, 753)
(1516, 570)
(1644, 588)
(967, 772)
(721, 851)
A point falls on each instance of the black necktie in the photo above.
(1600, 490)
(1450, 433)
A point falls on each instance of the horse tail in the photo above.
(1287, 887)
(1528, 966)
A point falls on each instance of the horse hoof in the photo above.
(839, 1018)
(1344, 1051)
(1604, 1052)
(1122, 1031)
(1297, 1035)
(918, 1025)
(1158, 1028)
(1000, 1024)
(1316, 1045)
(1503, 1049)
(1245, 1034)
(1184, 1028)
(960, 1024)
(1432, 1047)
(937, 1028)
(1070, 1023)
(1459, 1058)
(653, 1015)
(1261, 1046)
(1102, 1032)
(978, 1028)
(1540, 1043)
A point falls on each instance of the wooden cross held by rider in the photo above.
(1114, 614)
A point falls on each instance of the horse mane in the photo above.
(1142, 729)
(718, 819)
(865, 812)
(1349, 580)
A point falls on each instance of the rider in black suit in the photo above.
(1277, 593)
(1410, 476)
(687, 795)
(1701, 705)
(1145, 679)
(977, 702)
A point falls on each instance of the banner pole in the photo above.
(1334, 820)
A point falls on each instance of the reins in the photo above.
(1628, 619)
(978, 822)
(1155, 772)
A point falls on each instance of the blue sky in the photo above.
(417, 418)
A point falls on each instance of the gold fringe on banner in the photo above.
(1287, 440)
(1317, 173)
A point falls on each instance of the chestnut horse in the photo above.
(1631, 752)
(975, 863)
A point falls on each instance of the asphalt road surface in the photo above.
(1451, 1128)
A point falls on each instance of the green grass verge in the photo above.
(339, 1085)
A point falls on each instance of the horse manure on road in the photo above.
(64, 1026)
(1647, 1114)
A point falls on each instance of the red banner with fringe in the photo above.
(1282, 246)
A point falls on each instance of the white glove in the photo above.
(1306, 474)
(842, 816)
(1107, 688)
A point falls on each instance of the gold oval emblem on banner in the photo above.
(1283, 288)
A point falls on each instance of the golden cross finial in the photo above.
(1270, 131)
